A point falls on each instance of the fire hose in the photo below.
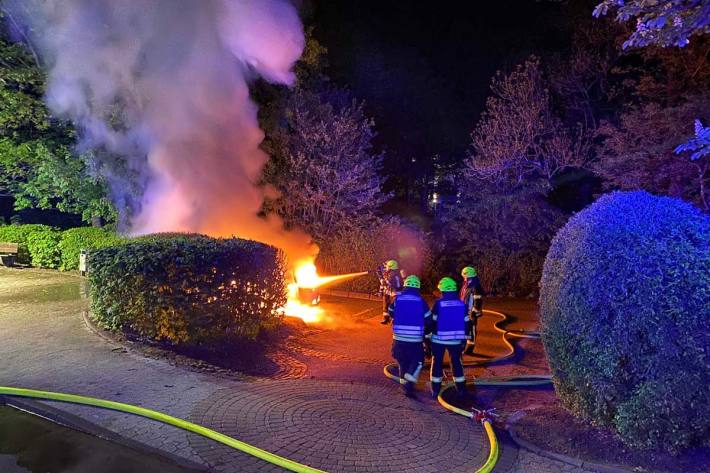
(165, 419)
(485, 417)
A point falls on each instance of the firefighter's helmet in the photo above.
(392, 265)
(447, 285)
(469, 272)
(412, 281)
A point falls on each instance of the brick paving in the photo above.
(331, 407)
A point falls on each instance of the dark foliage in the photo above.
(188, 289)
(505, 235)
(624, 311)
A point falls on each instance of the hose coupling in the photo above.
(481, 416)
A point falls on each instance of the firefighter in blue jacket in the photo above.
(390, 285)
(472, 295)
(410, 313)
(451, 326)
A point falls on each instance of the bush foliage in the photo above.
(624, 311)
(83, 238)
(505, 235)
(20, 234)
(43, 246)
(188, 289)
(365, 247)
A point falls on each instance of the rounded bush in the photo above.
(188, 289)
(19, 234)
(86, 238)
(624, 312)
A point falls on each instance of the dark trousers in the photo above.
(470, 344)
(437, 362)
(410, 358)
(386, 301)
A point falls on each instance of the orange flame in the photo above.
(306, 277)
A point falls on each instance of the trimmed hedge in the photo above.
(20, 234)
(188, 289)
(87, 238)
(624, 308)
(43, 246)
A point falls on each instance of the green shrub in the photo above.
(624, 312)
(504, 234)
(188, 289)
(87, 238)
(43, 246)
(366, 247)
(19, 234)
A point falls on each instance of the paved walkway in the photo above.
(336, 412)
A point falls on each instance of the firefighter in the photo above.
(472, 295)
(410, 313)
(390, 285)
(451, 326)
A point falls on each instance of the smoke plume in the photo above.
(159, 90)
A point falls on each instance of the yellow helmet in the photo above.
(469, 272)
(392, 264)
(447, 285)
(412, 281)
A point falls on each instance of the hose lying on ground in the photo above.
(529, 380)
(484, 417)
(164, 418)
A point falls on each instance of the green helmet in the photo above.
(469, 272)
(412, 281)
(391, 264)
(447, 285)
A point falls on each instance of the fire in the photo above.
(307, 278)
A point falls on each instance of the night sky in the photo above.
(424, 68)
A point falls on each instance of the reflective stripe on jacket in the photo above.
(451, 317)
(409, 312)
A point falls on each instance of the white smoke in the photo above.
(160, 89)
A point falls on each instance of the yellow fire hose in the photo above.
(166, 419)
(285, 462)
(482, 416)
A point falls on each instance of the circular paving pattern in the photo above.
(337, 426)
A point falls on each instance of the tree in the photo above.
(504, 233)
(663, 23)
(638, 152)
(323, 164)
(700, 147)
(37, 167)
(519, 137)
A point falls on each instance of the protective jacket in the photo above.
(392, 282)
(472, 295)
(451, 322)
(410, 313)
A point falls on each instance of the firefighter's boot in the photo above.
(469, 349)
(386, 319)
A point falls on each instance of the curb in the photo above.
(598, 467)
(74, 422)
(97, 331)
(134, 349)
